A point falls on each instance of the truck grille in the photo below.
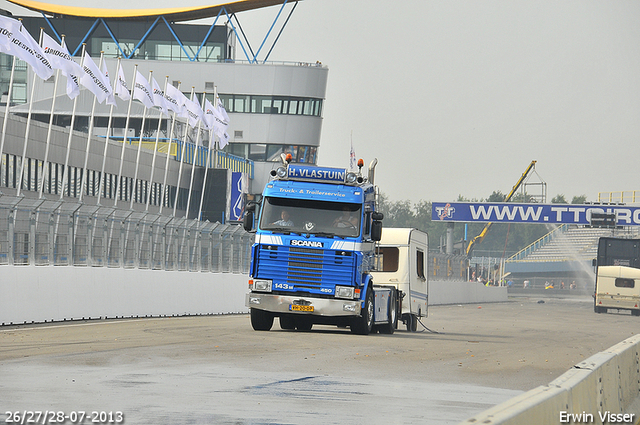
(305, 266)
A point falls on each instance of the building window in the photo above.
(239, 103)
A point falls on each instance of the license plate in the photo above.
(294, 307)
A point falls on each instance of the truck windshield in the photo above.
(308, 216)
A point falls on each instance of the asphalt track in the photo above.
(217, 370)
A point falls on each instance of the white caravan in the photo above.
(617, 287)
(402, 262)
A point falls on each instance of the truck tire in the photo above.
(261, 320)
(635, 312)
(287, 322)
(392, 324)
(303, 323)
(412, 323)
(364, 324)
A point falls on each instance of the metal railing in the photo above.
(523, 253)
(628, 197)
(44, 232)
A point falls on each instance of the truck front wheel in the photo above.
(362, 325)
(261, 320)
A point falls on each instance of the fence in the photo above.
(45, 232)
(447, 267)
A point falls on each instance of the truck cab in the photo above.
(314, 249)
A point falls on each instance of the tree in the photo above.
(582, 199)
(559, 199)
(496, 196)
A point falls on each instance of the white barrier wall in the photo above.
(49, 293)
(607, 383)
(452, 292)
(36, 294)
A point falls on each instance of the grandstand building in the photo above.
(273, 108)
(562, 257)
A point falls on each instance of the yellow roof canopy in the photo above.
(172, 14)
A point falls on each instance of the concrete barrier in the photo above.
(457, 292)
(36, 294)
(606, 384)
(31, 294)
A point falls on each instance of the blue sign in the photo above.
(237, 201)
(531, 213)
(319, 174)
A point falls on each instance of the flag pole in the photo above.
(193, 166)
(212, 141)
(26, 133)
(86, 154)
(73, 118)
(124, 139)
(45, 165)
(184, 145)
(103, 178)
(216, 146)
(135, 175)
(6, 112)
(155, 149)
(166, 168)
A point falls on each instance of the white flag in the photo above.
(209, 117)
(223, 111)
(194, 112)
(111, 99)
(142, 90)
(175, 100)
(121, 89)
(158, 97)
(221, 124)
(94, 80)
(73, 86)
(352, 158)
(73, 81)
(60, 58)
(16, 41)
(223, 140)
(7, 27)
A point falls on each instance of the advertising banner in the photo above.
(239, 186)
(531, 213)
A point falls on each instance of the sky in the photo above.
(456, 98)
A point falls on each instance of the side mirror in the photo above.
(594, 262)
(377, 216)
(376, 231)
(247, 221)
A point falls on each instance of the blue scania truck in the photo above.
(315, 247)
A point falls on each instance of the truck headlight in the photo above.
(344, 292)
(262, 285)
(351, 178)
(281, 172)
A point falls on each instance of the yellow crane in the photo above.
(484, 232)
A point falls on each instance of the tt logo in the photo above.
(445, 212)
